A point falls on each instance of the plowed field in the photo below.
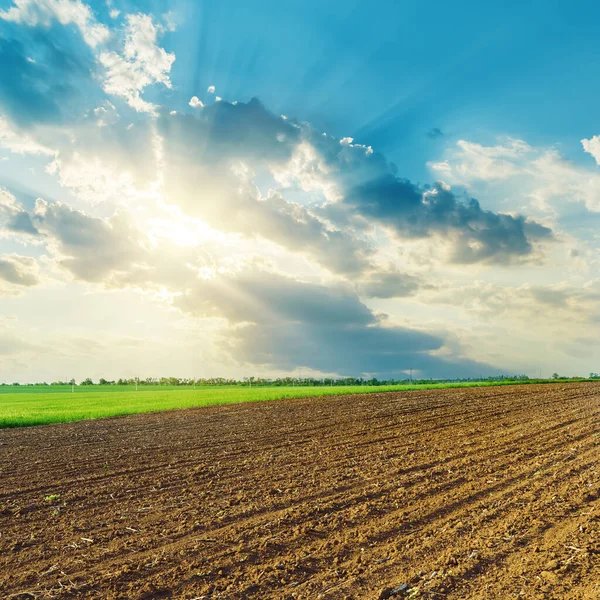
(460, 493)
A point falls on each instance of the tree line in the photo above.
(280, 381)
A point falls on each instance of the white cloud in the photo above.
(20, 142)
(91, 180)
(487, 162)
(42, 12)
(568, 307)
(106, 114)
(141, 63)
(211, 89)
(19, 270)
(592, 146)
(195, 102)
(538, 176)
(169, 21)
(440, 167)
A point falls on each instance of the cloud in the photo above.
(285, 324)
(211, 89)
(91, 180)
(592, 146)
(333, 205)
(332, 330)
(389, 284)
(363, 188)
(20, 142)
(411, 212)
(113, 162)
(211, 158)
(112, 252)
(91, 248)
(435, 133)
(476, 235)
(441, 167)
(560, 306)
(12, 345)
(140, 64)
(208, 168)
(539, 177)
(41, 13)
(16, 220)
(195, 102)
(19, 270)
(226, 133)
(489, 162)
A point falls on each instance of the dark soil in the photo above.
(439, 494)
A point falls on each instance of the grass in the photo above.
(40, 405)
(80, 389)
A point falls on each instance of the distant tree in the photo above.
(87, 381)
(555, 376)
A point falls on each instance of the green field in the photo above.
(22, 406)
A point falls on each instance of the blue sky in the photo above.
(210, 183)
(388, 76)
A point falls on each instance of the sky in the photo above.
(201, 188)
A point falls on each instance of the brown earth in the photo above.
(465, 493)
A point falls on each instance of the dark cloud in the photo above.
(91, 248)
(435, 133)
(411, 211)
(13, 217)
(224, 132)
(389, 284)
(283, 323)
(21, 222)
